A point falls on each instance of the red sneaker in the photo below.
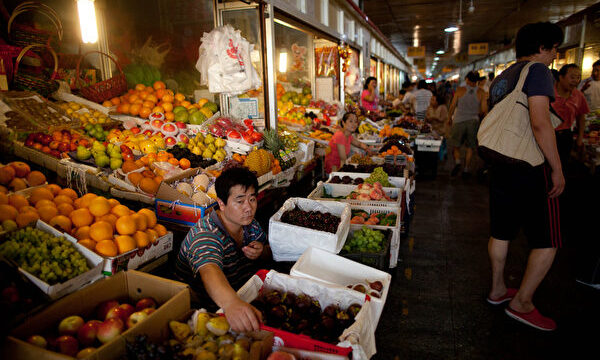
(510, 294)
(533, 319)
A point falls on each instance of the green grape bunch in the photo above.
(365, 240)
(380, 176)
(51, 259)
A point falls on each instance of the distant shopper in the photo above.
(437, 114)
(521, 195)
(339, 145)
(421, 99)
(369, 99)
(570, 105)
(591, 87)
(409, 96)
(467, 105)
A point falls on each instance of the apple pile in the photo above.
(57, 144)
(79, 338)
(171, 132)
(235, 131)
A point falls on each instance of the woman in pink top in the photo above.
(339, 145)
(368, 98)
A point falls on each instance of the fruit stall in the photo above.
(111, 153)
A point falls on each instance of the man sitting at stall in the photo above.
(222, 249)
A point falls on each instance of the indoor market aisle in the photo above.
(437, 308)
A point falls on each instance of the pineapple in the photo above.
(272, 142)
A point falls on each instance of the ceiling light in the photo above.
(451, 29)
(440, 52)
(87, 21)
(471, 7)
(436, 58)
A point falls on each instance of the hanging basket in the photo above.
(33, 81)
(23, 35)
(103, 90)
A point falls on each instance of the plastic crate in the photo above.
(380, 260)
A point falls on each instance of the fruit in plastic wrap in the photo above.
(179, 330)
(218, 325)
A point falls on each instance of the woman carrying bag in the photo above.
(517, 139)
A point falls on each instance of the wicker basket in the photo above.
(33, 81)
(24, 35)
(103, 90)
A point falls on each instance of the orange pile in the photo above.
(18, 176)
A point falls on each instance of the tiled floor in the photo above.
(436, 307)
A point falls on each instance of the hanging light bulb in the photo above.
(87, 21)
(471, 7)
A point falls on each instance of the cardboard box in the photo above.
(94, 262)
(138, 257)
(334, 269)
(173, 206)
(173, 296)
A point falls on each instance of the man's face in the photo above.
(596, 73)
(571, 79)
(241, 205)
(547, 56)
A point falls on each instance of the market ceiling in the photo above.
(422, 22)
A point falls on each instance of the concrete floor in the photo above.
(436, 307)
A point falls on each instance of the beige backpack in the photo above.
(506, 129)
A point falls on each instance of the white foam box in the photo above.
(308, 149)
(321, 265)
(138, 257)
(94, 261)
(398, 182)
(336, 190)
(288, 241)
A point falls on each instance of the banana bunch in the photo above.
(366, 128)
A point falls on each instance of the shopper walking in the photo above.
(421, 99)
(522, 195)
(570, 105)
(591, 87)
(467, 105)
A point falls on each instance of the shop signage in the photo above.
(420, 63)
(446, 69)
(461, 58)
(478, 48)
(244, 108)
(416, 51)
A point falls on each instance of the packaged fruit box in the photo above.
(334, 269)
(136, 258)
(93, 322)
(45, 274)
(340, 317)
(320, 215)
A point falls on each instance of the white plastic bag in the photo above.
(224, 62)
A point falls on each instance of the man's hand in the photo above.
(558, 184)
(253, 250)
(242, 316)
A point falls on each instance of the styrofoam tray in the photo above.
(288, 242)
(321, 265)
(337, 190)
(360, 335)
(421, 140)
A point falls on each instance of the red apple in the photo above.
(180, 125)
(157, 124)
(147, 302)
(68, 345)
(148, 132)
(169, 127)
(54, 144)
(148, 311)
(73, 145)
(183, 138)
(37, 146)
(85, 352)
(136, 318)
(29, 142)
(121, 312)
(37, 340)
(160, 134)
(46, 139)
(127, 309)
(70, 325)
(170, 141)
(64, 147)
(135, 130)
(103, 308)
(46, 150)
(55, 153)
(87, 333)
(125, 149)
(127, 156)
(109, 329)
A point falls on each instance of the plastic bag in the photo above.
(224, 62)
